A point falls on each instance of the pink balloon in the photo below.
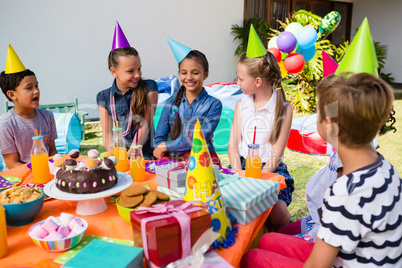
(294, 63)
(276, 52)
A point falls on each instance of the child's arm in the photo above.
(52, 148)
(106, 127)
(234, 139)
(323, 255)
(279, 147)
(162, 132)
(12, 160)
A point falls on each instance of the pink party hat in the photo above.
(119, 39)
(179, 51)
(329, 66)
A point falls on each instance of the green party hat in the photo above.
(360, 56)
(255, 48)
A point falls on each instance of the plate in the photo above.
(30, 164)
(8, 181)
(150, 166)
(124, 181)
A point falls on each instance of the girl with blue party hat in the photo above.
(262, 117)
(130, 101)
(192, 102)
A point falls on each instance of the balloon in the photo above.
(277, 54)
(272, 42)
(286, 42)
(294, 28)
(329, 23)
(294, 63)
(307, 37)
(308, 53)
(283, 70)
(284, 55)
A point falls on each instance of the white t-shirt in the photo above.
(263, 118)
(16, 133)
(362, 215)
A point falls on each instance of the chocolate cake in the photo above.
(87, 176)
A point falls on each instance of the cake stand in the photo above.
(90, 204)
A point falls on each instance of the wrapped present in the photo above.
(174, 195)
(168, 231)
(247, 198)
(174, 174)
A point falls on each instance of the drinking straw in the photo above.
(117, 135)
(40, 147)
(136, 138)
(255, 130)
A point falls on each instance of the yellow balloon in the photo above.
(283, 70)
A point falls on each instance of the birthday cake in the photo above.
(90, 175)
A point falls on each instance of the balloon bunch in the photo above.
(296, 45)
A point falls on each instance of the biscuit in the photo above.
(134, 191)
(161, 196)
(149, 199)
(130, 202)
(159, 202)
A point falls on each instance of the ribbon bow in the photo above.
(167, 208)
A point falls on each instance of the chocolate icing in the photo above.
(95, 180)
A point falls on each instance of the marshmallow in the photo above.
(39, 232)
(65, 218)
(63, 230)
(78, 228)
(53, 236)
(74, 222)
(49, 225)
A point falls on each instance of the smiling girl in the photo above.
(129, 101)
(173, 135)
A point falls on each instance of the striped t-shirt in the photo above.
(362, 215)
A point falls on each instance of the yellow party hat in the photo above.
(201, 184)
(13, 64)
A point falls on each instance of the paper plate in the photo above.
(150, 166)
(8, 181)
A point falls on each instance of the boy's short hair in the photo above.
(359, 103)
(12, 81)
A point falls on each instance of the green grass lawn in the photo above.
(300, 166)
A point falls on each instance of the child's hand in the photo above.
(160, 150)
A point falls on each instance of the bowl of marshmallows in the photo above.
(58, 233)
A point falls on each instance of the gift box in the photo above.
(178, 194)
(247, 198)
(165, 233)
(174, 174)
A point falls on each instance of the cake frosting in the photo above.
(90, 175)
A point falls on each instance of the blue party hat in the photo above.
(179, 51)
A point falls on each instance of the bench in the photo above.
(71, 107)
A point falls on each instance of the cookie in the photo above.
(130, 202)
(134, 191)
(159, 202)
(161, 196)
(149, 199)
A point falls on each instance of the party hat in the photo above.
(13, 64)
(360, 56)
(255, 48)
(201, 184)
(329, 66)
(179, 51)
(119, 39)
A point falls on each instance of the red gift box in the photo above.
(165, 242)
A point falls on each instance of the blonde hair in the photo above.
(361, 105)
(266, 67)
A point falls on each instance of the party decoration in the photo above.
(329, 23)
(13, 63)
(286, 42)
(294, 63)
(272, 42)
(306, 37)
(255, 48)
(119, 39)
(308, 53)
(329, 66)
(179, 51)
(284, 73)
(294, 28)
(360, 56)
(276, 52)
(201, 184)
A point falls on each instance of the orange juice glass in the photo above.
(3, 233)
(121, 155)
(137, 165)
(253, 162)
(40, 161)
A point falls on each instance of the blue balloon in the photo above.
(286, 42)
(306, 37)
(308, 53)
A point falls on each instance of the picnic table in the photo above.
(22, 252)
